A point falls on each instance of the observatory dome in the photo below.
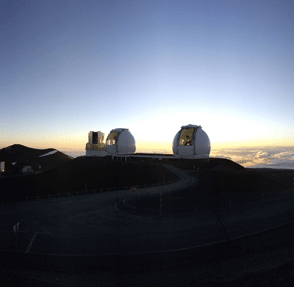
(191, 141)
(120, 141)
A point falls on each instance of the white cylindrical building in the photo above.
(191, 142)
(120, 141)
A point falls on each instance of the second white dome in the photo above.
(120, 141)
(191, 141)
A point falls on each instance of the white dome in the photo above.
(120, 141)
(191, 141)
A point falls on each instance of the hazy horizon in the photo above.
(278, 157)
(253, 157)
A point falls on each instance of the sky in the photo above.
(70, 67)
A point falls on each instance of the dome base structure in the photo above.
(191, 142)
(96, 152)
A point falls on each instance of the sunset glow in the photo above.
(70, 67)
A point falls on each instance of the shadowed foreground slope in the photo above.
(84, 173)
(221, 187)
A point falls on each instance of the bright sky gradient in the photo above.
(68, 67)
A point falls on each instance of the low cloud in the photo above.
(261, 154)
(285, 155)
(282, 158)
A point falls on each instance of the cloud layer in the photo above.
(269, 157)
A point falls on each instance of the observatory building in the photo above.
(120, 141)
(191, 142)
(95, 145)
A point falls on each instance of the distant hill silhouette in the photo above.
(17, 156)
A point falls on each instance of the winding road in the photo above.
(94, 224)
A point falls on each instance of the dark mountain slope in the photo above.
(17, 156)
(95, 172)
